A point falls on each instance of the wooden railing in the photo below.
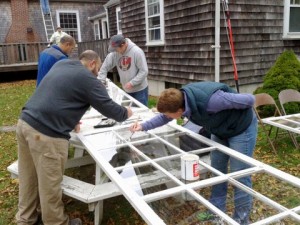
(15, 53)
(99, 46)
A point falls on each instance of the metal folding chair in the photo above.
(286, 96)
(264, 99)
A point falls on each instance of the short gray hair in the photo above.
(67, 39)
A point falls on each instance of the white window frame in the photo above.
(77, 18)
(162, 26)
(105, 33)
(96, 23)
(286, 22)
(118, 20)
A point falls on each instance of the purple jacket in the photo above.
(219, 101)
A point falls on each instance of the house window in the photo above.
(291, 28)
(119, 20)
(69, 22)
(154, 22)
(96, 30)
(104, 26)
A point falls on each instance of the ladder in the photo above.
(48, 24)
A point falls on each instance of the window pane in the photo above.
(154, 22)
(153, 9)
(294, 19)
(152, 1)
(295, 2)
(154, 35)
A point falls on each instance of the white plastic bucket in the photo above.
(190, 167)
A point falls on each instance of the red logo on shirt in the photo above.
(125, 63)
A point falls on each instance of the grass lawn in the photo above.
(117, 210)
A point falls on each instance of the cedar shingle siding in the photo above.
(112, 20)
(189, 33)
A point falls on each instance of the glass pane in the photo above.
(185, 142)
(146, 179)
(295, 2)
(153, 9)
(287, 123)
(154, 35)
(103, 140)
(174, 167)
(121, 156)
(182, 209)
(165, 130)
(152, 1)
(277, 190)
(155, 149)
(154, 22)
(127, 135)
(236, 202)
(227, 161)
(294, 19)
(294, 118)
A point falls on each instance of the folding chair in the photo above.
(286, 96)
(264, 99)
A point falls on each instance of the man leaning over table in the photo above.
(53, 111)
(132, 67)
(230, 119)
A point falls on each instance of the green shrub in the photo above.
(284, 74)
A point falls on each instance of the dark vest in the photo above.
(224, 124)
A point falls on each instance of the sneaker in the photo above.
(76, 221)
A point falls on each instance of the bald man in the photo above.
(53, 111)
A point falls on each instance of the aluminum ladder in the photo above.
(48, 24)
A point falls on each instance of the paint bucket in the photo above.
(190, 167)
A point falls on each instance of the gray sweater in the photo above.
(62, 98)
(132, 67)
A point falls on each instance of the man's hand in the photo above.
(129, 112)
(136, 127)
(77, 128)
(128, 86)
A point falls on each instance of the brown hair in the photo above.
(170, 100)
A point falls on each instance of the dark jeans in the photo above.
(141, 96)
(243, 143)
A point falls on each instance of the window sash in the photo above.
(69, 23)
(119, 20)
(154, 21)
(294, 25)
(97, 31)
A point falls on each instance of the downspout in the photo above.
(217, 41)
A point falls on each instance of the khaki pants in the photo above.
(41, 167)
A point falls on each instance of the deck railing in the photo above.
(99, 46)
(15, 53)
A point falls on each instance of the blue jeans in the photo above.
(245, 144)
(45, 6)
(141, 96)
